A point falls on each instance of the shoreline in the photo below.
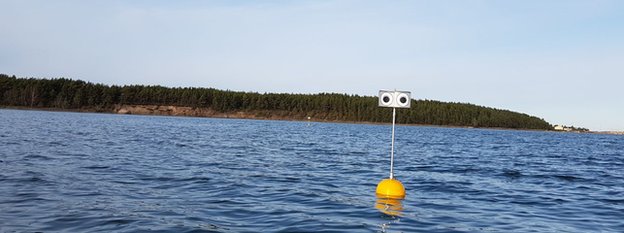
(157, 110)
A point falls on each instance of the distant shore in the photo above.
(78, 95)
(608, 132)
(167, 110)
(162, 110)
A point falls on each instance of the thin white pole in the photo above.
(392, 149)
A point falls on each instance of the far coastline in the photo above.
(177, 111)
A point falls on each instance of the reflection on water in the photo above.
(389, 206)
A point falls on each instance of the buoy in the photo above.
(390, 188)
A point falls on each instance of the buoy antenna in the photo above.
(392, 145)
(394, 99)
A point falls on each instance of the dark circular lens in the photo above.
(386, 99)
(403, 100)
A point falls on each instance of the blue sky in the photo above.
(560, 60)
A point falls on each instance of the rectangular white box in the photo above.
(395, 99)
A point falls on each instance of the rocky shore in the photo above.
(609, 132)
(168, 110)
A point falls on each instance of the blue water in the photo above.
(79, 172)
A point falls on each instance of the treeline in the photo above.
(65, 93)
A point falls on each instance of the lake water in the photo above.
(77, 172)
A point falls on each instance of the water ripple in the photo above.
(76, 172)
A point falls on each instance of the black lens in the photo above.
(386, 99)
(403, 100)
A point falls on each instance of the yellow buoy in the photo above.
(390, 188)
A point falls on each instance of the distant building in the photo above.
(570, 128)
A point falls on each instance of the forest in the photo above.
(68, 94)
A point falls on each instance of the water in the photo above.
(77, 172)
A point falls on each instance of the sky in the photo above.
(562, 61)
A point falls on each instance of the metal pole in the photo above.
(392, 150)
